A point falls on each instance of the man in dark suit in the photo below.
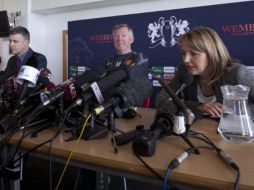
(19, 39)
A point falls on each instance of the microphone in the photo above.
(186, 79)
(96, 88)
(70, 89)
(132, 93)
(42, 82)
(165, 124)
(189, 116)
(8, 75)
(28, 76)
(43, 79)
(110, 80)
(10, 87)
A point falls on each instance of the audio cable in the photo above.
(174, 163)
(221, 154)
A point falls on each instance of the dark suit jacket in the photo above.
(11, 68)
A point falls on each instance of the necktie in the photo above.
(18, 62)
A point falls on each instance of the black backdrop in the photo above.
(90, 41)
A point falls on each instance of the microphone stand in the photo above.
(185, 138)
(61, 112)
(112, 128)
(182, 131)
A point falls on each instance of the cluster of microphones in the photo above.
(29, 99)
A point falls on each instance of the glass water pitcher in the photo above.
(236, 122)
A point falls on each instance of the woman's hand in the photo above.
(213, 109)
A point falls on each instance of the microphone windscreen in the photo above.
(140, 69)
(43, 81)
(45, 72)
(50, 85)
(135, 91)
(186, 79)
(44, 77)
(11, 86)
(71, 92)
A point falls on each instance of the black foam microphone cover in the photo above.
(131, 93)
(164, 122)
(134, 92)
(186, 79)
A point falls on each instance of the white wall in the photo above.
(46, 30)
(11, 6)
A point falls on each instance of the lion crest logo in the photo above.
(164, 32)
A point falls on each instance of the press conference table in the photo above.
(204, 170)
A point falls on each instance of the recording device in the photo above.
(145, 143)
(132, 93)
(166, 123)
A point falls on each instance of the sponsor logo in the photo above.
(150, 76)
(81, 68)
(101, 38)
(21, 70)
(157, 76)
(156, 83)
(128, 62)
(168, 76)
(169, 69)
(157, 69)
(238, 29)
(157, 31)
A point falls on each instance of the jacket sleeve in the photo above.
(42, 61)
